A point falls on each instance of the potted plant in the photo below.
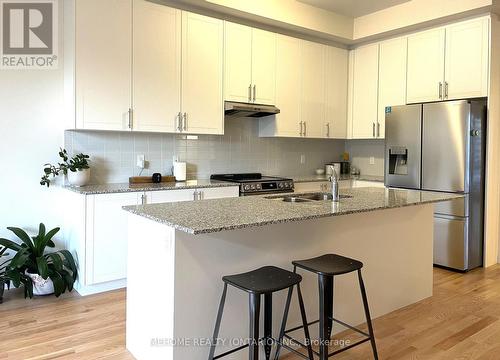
(9, 275)
(3, 266)
(78, 166)
(49, 272)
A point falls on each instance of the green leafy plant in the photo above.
(31, 256)
(77, 163)
(8, 274)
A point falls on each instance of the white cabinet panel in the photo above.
(103, 61)
(312, 88)
(237, 62)
(466, 59)
(156, 67)
(106, 239)
(202, 74)
(219, 192)
(288, 92)
(425, 66)
(364, 92)
(156, 197)
(263, 66)
(391, 78)
(336, 68)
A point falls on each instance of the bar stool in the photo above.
(263, 281)
(327, 267)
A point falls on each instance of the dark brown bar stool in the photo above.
(327, 267)
(263, 281)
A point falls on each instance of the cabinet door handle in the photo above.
(143, 199)
(327, 129)
(305, 128)
(201, 195)
(184, 118)
(130, 118)
(195, 195)
(446, 90)
(373, 129)
(178, 120)
(378, 129)
(440, 90)
(300, 128)
(249, 92)
(254, 92)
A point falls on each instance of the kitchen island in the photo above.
(178, 253)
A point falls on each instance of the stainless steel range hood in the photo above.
(239, 110)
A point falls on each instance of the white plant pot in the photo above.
(41, 286)
(79, 178)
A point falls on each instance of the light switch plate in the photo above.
(302, 159)
(141, 161)
(372, 160)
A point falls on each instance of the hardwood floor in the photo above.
(461, 321)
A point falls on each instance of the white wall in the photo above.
(31, 134)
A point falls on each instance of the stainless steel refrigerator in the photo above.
(441, 147)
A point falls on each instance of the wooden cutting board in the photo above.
(148, 179)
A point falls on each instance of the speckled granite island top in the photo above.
(208, 216)
(126, 187)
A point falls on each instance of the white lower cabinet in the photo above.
(96, 231)
(325, 186)
(106, 240)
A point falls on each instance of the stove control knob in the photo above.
(280, 185)
(246, 187)
(258, 186)
(252, 186)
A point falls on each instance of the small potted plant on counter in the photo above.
(78, 166)
(48, 272)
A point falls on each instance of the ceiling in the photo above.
(353, 8)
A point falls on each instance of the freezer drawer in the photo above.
(450, 242)
(455, 207)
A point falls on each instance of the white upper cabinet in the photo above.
(287, 123)
(263, 67)
(156, 67)
(238, 62)
(449, 62)
(425, 66)
(336, 69)
(202, 73)
(250, 64)
(103, 57)
(466, 59)
(364, 92)
(391, 78)
(312, 112)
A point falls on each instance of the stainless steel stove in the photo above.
(256, 183)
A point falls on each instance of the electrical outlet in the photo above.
(302, 159)
(141, 161)
(372, 160)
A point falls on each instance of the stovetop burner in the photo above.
(256, 183)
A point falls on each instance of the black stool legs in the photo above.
(268, 324)
(367, 314)
(254, 302)
(217, 323)
(325, 308)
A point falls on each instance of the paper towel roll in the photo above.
(180, 171)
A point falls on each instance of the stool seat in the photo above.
(329, 264)
(267, 279)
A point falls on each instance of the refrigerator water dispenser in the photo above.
(398, 161)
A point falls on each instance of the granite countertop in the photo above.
(208, 216)
(318, 178)
(126, 187)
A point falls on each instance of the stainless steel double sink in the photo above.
(306, 198)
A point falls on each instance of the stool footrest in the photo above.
(350, 327)
(301, 326)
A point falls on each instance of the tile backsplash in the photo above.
(361, 151)
(240, 149)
